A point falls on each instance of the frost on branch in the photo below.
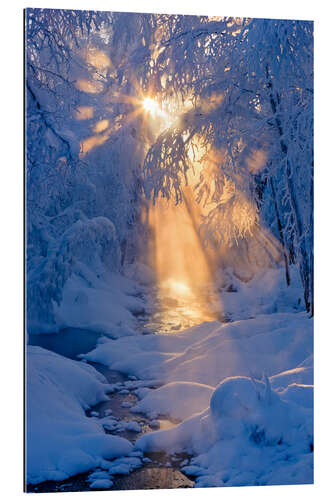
(88, 244)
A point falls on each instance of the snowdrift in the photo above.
(249, 435)
(265, 293)
(244, 388)
(61, 439)
(106, 305)
(179, 399)
(212, 351)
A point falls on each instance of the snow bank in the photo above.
(77, 284)
(250, 435)
(61, 439)
(302, 374)
(208, 353)
(256, 430)
(178, 399)
(100, 304)
(265, 293)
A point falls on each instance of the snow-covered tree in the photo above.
(71, 190)
(231, 116)
(251, 85)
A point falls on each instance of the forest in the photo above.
(169, 218)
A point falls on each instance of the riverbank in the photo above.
(112, 414)
(154, 390)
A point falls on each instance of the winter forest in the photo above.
(169, 251)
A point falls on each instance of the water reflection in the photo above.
(175, 307)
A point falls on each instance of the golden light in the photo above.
(256, 160)
(98, 59)
(180, 288)
(89, 86)
(181, 265)
(101, 126)
(151, 106)
(92, 142)
(162, 116)
(84, 112)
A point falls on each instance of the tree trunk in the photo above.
(303, 262)
(282, 240)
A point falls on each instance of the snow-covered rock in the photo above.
(177, 399)
(61, 439)
(101, 484)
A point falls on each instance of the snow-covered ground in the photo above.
(250, 434)
(104, 304)
(208, 353)
(265, 293)
(61, 439)
(243, 390)
(246, 431)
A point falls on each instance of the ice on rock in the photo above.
(124, 466)
(192, 470)
(124, 391)
(126, 404)
(154, 424)
(99, 474)
(133, 426)
(141, 392)
(101, 484)
(136, 453)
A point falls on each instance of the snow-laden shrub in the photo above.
(91, 242)
(242, 406)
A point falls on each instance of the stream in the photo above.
(159, 470)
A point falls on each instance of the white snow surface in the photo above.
(265, 293)
(208, 353)
(179, 399)
(244, 388)
(250, 435)
(100, 304)
(61, 439)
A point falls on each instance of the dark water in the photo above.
(68, 342)
(162, 472)
(150, 477)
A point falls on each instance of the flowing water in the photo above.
(174, 306)
(167, 315)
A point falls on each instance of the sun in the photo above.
(150, 106)
(160, 118)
